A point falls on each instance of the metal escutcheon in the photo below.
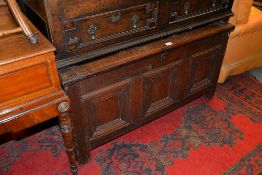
(115, 18)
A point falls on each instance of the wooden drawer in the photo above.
(106, 27)
(192, 9)
(90, 25)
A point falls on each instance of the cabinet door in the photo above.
(161, 88)
(107, 109)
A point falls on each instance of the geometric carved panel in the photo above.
(202, 68)
(85, 31)
(159, 89)
(107, 109)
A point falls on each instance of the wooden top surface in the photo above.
(16, 46)
(93, 68)
(7, 21)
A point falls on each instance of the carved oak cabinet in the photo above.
(125, 63)
(122, 91)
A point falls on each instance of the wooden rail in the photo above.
(14, 8)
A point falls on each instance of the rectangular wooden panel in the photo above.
(107, 109)
(202, 68)
(16, 84)
(159, 88)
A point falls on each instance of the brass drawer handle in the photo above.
(214, 3)
(187, 7)
(92, 31)
(135, 20)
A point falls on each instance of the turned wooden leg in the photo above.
(66, 129)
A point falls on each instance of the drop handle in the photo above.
(92, 31)
(214, 3)
(134, 21)
(187, 7)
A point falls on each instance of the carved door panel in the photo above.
(107, 109)
(161, 88)
(203, 66)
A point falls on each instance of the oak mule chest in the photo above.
(126, 63)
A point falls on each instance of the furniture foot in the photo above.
(210, 94)
(66, 129)
(84, 157)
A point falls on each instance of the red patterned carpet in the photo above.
(222, 136)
